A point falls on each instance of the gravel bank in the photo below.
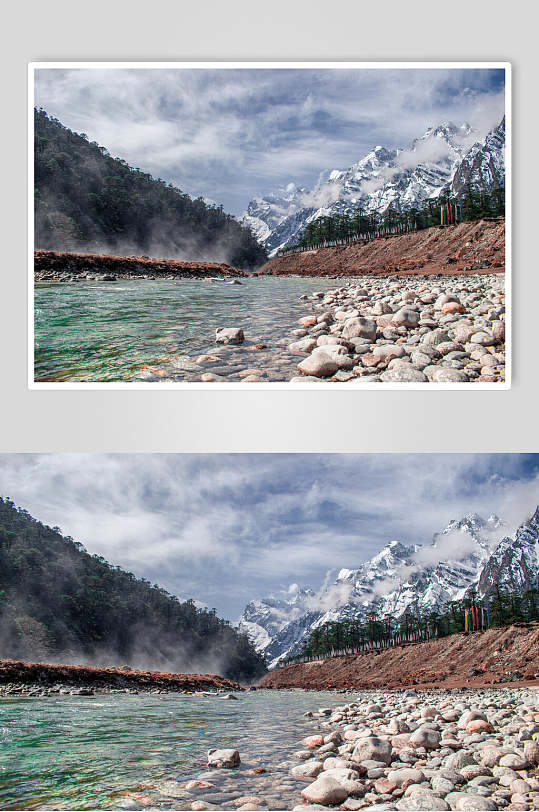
(64, 266)
(413, 330)
(424, 751)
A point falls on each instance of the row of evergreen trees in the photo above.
(86, 200)
(341, 229)
(467, 615)
(58, 603)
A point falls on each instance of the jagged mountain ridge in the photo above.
(444, 156)
(469, 553)
(483, 167)
(514, 564)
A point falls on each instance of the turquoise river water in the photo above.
(76, 752)
(133, 330)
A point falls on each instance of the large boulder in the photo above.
(372, 748)
(403, 373)
(531, 752)
(349, 779)
(223, 758)
(408, 775)
(429, 802)
(406, 317)
(304, 345)
(309, 769)
(325, 790)
(319, 365)
(448, 375)
(229, 335)
(460, 759)
(359, 327)
(468, 716)
(388, 351)
(316, 740)
(490, 756)
(425, 737)
(470, 802)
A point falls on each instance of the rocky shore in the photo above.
(414, 330)
(370, 330)
(424, 751)
(39, 679)
(58, 266)
(381, 750)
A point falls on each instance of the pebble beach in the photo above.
(405, 330)
(398, 750)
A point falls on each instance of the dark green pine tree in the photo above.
(87, 201)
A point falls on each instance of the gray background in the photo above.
(268, 420)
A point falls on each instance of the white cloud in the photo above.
(229, 528)
(235, 134)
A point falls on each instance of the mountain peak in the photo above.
(467, 554)
(442, 158)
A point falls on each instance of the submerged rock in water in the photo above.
(223, 758)
(229, 335)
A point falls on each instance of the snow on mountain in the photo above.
(483, 166)
(401, 178)
(398, 579)
(262, 620)
(514, 564)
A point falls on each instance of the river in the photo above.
(76, 752)
(142, 330)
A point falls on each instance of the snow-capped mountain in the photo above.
(401, 178)
(483, 167)
(514, 564)
(470, 553)
(262, 620)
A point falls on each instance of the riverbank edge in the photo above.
(22, 678)
(66, 266)
(500, 657)
(470, 247)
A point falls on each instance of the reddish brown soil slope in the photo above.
(54, 261)
(14, 671)
(501, 656)
(477, 247)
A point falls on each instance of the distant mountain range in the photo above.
(444, 157)
(469, 553)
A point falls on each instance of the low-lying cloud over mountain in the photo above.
(444, 157)
(469, 553)
(227, 528)
(232, 134)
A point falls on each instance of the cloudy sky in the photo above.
(227, 528)
(230, 135)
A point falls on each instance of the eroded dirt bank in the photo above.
(18, 677)
(52, 265)
(497, 656)
(474, 247)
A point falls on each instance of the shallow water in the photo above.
(70, 752)
(114, 331)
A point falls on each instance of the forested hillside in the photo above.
(87, 201)
(60, 604)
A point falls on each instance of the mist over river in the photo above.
(77, 752)
(146, 330)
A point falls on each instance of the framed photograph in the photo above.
(270, 225)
